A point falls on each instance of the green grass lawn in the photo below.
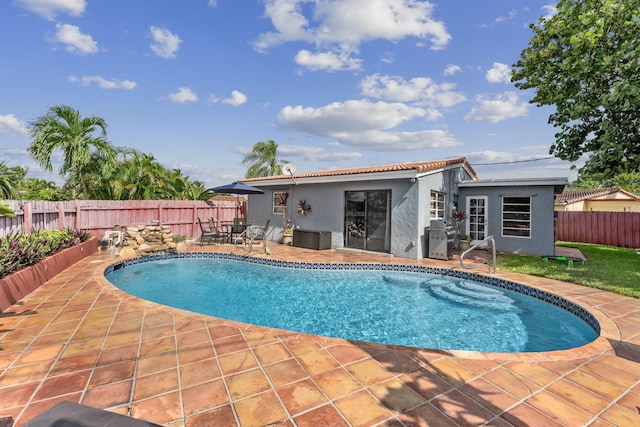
(610, 268)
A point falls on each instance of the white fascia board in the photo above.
(377, 176)
(514, 182)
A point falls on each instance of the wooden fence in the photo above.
(620, 229)
(98, 216)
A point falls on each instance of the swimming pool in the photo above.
(390, 304)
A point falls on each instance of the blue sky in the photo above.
(335, 83)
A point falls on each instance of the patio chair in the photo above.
(255, 233)
(208, 234)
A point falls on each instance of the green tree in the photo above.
(62, 128)
(41, 189)
(9, 177)
(585, 61)
(264, 160)
(5, 210)
(626, 181)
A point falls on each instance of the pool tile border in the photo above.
(553, 299)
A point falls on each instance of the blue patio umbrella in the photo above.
(236, 187)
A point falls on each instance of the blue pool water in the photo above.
(385, 306)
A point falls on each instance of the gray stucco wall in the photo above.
(328, 206)
(410, 201)
(542, 240)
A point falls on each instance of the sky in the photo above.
(335, 83)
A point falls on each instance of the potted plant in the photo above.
(287, 233)
(463, 241)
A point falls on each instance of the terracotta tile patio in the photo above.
(80, 339)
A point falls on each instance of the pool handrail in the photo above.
(493, 247)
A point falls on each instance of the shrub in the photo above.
(18, 251)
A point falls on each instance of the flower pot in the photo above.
(464, 244)
(287, 239)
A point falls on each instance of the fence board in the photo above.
(99, 216)
(620, 229)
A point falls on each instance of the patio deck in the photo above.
(80, 339)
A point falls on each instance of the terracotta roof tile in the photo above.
(572, 196)
(419, 167)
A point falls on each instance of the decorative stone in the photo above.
(127, 252)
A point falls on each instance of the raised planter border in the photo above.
(16, 286)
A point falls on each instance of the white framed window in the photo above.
(516, 216)
(280, 202)
(437, 206)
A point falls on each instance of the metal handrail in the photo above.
(493, 246)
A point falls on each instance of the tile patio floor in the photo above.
(78, 338)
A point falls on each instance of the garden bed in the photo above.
(18, 285)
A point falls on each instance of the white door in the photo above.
(478, 216)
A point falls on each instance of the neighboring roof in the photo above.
(573, 196)
(413, 169)
(225, 198)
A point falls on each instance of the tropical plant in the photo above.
(62, 128)
(41, 189)
(585, 61)
(626, 181)
(263, 160)
(18, 251)
(8, 178)
(5, 210)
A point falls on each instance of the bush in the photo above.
(18, 251)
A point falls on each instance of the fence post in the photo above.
(60, 216)
(27, 217)
(78, 213)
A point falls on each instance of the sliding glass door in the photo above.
(367, 224)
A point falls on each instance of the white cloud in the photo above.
(340, 26)
(213, 3)
(183, 95)
(347, 117)
(10, 123)
(164, 43)
(103, 83)
(550, 11)
(451, 69)
(74, 40)
(316, 154)
(328, 61)
(419, 89)
(48, 9)
(237, 98)
(364, 124)
(525, 162)
(512, 14)
(385, 140)
(505, 106)
(499, 73)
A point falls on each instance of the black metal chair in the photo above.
(208, 234)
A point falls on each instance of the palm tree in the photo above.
(8, 178)
(62, 128)
(264, 159)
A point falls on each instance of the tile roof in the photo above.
(419, 167)
(572, 196)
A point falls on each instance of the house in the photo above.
(389, 208)
(597, 200)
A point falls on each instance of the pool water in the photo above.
(390, 307)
